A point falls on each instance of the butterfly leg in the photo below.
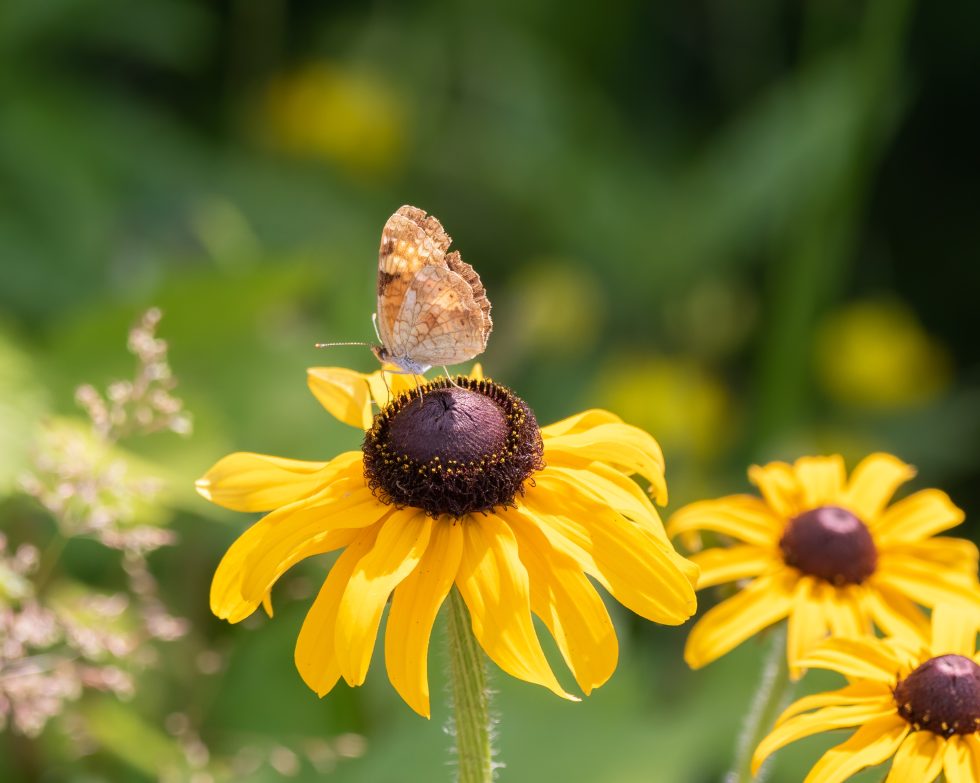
(450, 378)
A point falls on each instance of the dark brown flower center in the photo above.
(830, 543)
(453, 448)
(942, 696)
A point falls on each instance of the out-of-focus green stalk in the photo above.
(770, 698)
(471, 699)
(808, 267)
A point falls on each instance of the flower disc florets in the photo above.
(453, 448)
(831, 543)
(942, 696)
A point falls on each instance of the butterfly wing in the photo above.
(410, 242)
(441, 321)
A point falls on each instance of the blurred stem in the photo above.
(770, 698)
(810, 263)
(471, 699)
(49, 559)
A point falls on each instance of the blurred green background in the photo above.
(751, 230)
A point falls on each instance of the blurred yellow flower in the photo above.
(827, 552)
(680, 400)
(341, 115)
(458, 488)
(875, 354)
(916, 701)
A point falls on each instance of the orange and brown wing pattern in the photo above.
(440, 321)
(410, 241)
(432, 307)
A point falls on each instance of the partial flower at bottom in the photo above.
(915, 703)
(459, 488)
(827, 552)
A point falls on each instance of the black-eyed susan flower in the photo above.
(915, 700)
(828, 553)
(455, 486)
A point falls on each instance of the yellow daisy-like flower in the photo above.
(916, 701)
(458, 488)
(828, 553)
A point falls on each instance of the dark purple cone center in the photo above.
(447, 425)
(942, 696)
(830, 543)
(453, 448)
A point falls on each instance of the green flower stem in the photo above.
(771, 697)
(471, 699)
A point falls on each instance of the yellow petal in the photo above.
(954, 630)
(344, 393)
(257, 482)
(580, 422)
(765, 601)
(494, 585)
(627, 448)
(413, 611)
(742, 517)
(878, 724)
(952, 554)
(476, 372)
(315, 655)
(821, 479)
(609, 488)
(866, 693)
(387, 386)
(961, 760)
(396, 552)
(896, 615)
(843, 608)
(923, 584)
(872, 484)
(780, 488)
(918, 760)
(297, 535)
(807, 624)
(642, 573)
(862, 659)
(916, 517)
(563, 597)
(870, 745)
(727, 564)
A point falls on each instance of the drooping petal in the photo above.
(780, 488)
(344, 393)
(258, 482)
(397, 551)
(872, 484)
(870, 745)
(807, 624)
(303, 533)
(606, 486)
(844, 610)
(494, 585)
(821, 479)
(413, 611)
(866, 693)
(918, 516)
(580, 422)
(765, 601)
(642, 573)
(961, 759)
(563, 597)
(924, 584)
(627, 448)
(862, 659)
(727, 564)
(954, 630)
(742, 517)
(315, 654)
(919, 759)
(895, 614)
(877, 724)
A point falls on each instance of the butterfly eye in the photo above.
(465, 446)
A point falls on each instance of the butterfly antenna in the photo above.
(331, 345)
